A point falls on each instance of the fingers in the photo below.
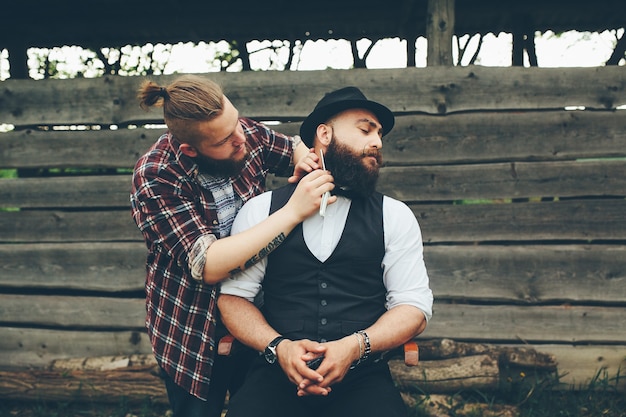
(292, 360)
(332, 368)
(307, 197)
(321, 180)
(313, 390)
(309, 163)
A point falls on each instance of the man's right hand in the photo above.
(307, 196)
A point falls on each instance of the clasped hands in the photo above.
(339, 355)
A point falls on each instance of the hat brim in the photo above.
(322, 114)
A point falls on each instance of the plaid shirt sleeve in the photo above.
(166, 211)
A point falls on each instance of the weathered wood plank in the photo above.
(533, 324)
(528, 274)
(101, 148)
(416, 139)
(60, 192)
(587, 220)
(584, 367)
(106, 267)
(108, 313)
(59, 226)
(488, 273)
(505, 136)
(504, 180)
(111, 99)
(549, 324)
(23, 348)
(416, 183)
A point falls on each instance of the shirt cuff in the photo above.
(197, 257)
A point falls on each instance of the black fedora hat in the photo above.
(338, 101)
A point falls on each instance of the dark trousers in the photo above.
(367, 391)
(227, 376)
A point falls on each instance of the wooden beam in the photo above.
(439, 31)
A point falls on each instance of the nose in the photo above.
(376, 142)
(238, 139)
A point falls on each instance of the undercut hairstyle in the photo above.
(186, 101)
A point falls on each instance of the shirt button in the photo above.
(323, 340)
(323, 322)
(324, 285)
(323, 303)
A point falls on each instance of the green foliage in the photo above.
(8, 173)
(226, 59)
(128, 60)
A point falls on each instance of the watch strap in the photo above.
(275, 342)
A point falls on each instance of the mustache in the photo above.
(373, 152)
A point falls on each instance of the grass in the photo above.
(542, 397)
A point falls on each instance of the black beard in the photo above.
(222, 167)
(349, 170)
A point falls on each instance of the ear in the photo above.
(324, 134)
(188, 150)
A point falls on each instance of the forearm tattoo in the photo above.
(262, 253)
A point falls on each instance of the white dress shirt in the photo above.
(404, 272)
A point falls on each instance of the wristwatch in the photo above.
(270, 350)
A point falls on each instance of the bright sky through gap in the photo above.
(569, 49)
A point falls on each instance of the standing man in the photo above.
(341, 290)
(186, 191)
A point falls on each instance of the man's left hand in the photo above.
(308, 163)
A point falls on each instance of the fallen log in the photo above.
(522, 356)
(138, 383)
(479, 372)
(446, 367)
(103, 363)
(134, 385)
(428, 350)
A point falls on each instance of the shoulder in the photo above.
(398, 218)
(159, 160)
(394, 207)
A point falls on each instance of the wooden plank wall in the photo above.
(516, 175)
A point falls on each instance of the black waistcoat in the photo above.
(306, 298)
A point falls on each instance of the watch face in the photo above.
(270, 355)
(270, 350)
